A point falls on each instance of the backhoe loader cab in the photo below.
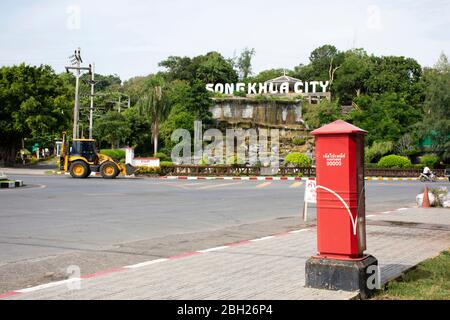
(85, 148)
(82, 158)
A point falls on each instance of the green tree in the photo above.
(209, 68)
(244, 62)
(140, 126)
(350, 78)
(387, 117)
(436, 122)
(325, 61)
(178, 68)
(265, 75)
(34, 103)
(178, 118)
(135, 87)
(155, 106)
(398, 75)
(112, 128)
(198, 101)
(317, 115)
(214, 68)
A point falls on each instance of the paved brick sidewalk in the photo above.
(266, 268)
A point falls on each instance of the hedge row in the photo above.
(116, 154)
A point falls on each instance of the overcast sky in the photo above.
(129, 38)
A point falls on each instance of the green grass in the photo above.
(430, 280)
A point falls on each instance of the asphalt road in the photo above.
(97, 223)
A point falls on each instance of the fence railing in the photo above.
(407, 173)
(230, 170)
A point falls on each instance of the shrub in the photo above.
(377, 150)
(418, 166)
(234, 160)
(239, 94)
(394, 161)
(204, 160)
(116, 154)
(162, 156)
(299, 141)
(165, 163)
(298, 159)
(148, 170)
(429, 160)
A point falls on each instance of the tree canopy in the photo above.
(392, 97)
(34, 103)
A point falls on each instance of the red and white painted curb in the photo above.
(162, 260)
(272, 178)
(256, 178)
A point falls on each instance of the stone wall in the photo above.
(259, 113)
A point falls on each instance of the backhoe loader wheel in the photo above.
(79, 169)
(109, 170)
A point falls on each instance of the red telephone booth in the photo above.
(340, 193)
(341, 228)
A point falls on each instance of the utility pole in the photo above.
(119, 102)
(76, 65)
(91, 109)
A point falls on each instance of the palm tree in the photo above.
(155, 106)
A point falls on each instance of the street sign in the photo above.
(310, 191)
(310, 196)
(146, 162)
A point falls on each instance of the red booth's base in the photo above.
(340, 257)
(339, 274)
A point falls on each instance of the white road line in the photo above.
(298, 231)
(48, 285)
(402, 209)
(263, 185)
(370, 215)
(146, 263)
(296, 184)
(263, 238)
(213, 249)
(220, 185)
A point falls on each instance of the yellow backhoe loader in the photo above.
(82, 158)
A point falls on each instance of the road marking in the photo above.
(402, 209)
(213, 249)
(48, 285)
(146, 263)
(298, 231)
(184, 255)
(370, 216)
(263, 185)
(104, 194)
(296, 184)
(184, 186)
(239, 243)
(220, 185)
(8, 294)
(102, 273)
(262, 239)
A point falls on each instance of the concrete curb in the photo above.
(11, 184)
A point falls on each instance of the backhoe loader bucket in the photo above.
(129, 169)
